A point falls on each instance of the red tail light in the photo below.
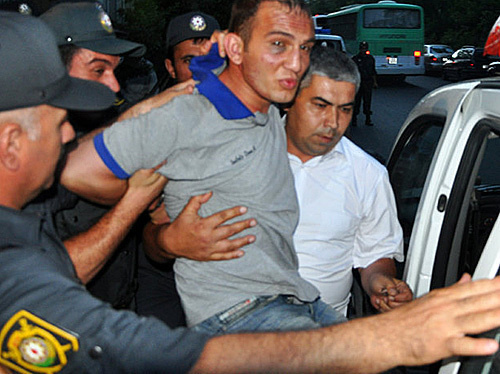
(416, 55)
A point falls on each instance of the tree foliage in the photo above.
(146, 20)
(453, 22)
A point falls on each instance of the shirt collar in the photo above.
(337, 151)
(226, 103)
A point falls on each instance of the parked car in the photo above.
(334, 41)
(433, 57)
(465, 63)
(493, 68)
(445, 172)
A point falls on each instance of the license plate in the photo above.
(392, 60)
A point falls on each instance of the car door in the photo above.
(487, 266)
(445, 171)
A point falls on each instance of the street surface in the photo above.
(391, 104)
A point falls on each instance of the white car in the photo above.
(445, 171)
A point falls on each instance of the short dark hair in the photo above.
(243, 12)
(336, 65)
(67, 52)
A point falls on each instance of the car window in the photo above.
(463, 53)
(472, 207)
(408, 168)
(335, 44)
(483, 207)
(440, 49)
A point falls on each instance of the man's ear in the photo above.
(170, 67)
(234, 46)
(11, 135)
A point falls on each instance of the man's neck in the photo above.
(233, 79)
(9, 202)
(14, 195)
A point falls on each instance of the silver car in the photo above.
(433, 56)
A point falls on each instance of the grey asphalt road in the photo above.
(391, 104)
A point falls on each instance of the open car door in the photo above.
(445, 172)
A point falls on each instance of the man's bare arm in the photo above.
(158, 100)
(91, 249)
(428, 329)
(146, 105)
(198, 238)
(86, 174)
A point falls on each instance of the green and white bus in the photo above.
(394, 32)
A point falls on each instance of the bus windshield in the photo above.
(391, 18)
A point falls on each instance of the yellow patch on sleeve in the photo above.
(28, 344)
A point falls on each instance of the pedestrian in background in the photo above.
(366, 66)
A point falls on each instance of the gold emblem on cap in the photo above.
(24, 9)
(198, 23)
(29, 344)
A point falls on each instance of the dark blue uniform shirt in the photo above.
(49, 322)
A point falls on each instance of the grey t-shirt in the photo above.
(213, 143)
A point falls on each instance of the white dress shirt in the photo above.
(347, 219)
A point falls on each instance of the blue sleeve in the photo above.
(107, 158)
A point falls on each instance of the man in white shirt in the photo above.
(348, 215)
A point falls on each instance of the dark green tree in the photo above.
(145, 21)
(453, 22)
(469, 22)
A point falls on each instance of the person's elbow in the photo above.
(85, 174)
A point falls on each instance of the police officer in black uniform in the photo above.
(185, 37)
(49, 323)
(366, 65)
(85, 25)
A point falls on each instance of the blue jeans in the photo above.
(271, 313)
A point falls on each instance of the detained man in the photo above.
(218, 140)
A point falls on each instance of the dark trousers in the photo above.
(365, 94)
(157, 295)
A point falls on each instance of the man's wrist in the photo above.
(164, 241)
